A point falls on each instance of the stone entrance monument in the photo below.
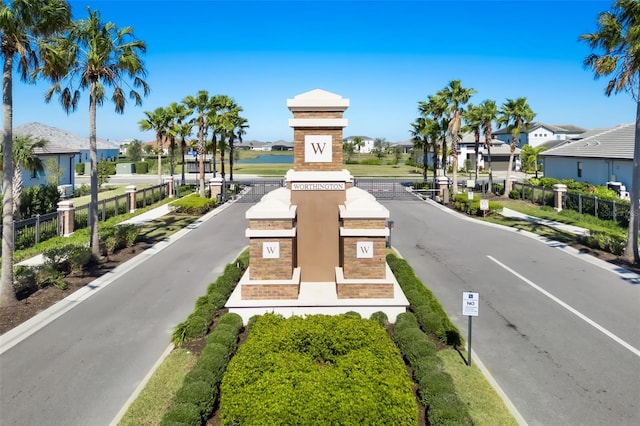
(317, 245)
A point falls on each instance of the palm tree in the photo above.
(489, 114)
(380, 147)
(420, 139)
(473, 120)
(159, 121)
(241, 126)
(184, 130)
(456, 97)
(516, 115)
(25, 158)
(358, 143)
(529, 157)
(95, 56)
(22, 22)
(436, 107)
(220, 119)
(177, 114)
(617, 40)
(200, 104)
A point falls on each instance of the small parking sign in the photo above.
(470, 302)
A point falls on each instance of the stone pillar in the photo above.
(215, 186)
(170, 187)
(131, 197)
(559, 191)
(66, 215)
(443, 189)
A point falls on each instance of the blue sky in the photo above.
(385, 56)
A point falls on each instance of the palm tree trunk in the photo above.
(93, 158)
(454, 163)
(17, 191)
(631, 249)
(7, 294)
(183, 147)
(214, 148)
(507, 182)
(160, 143)
(490, 189)
(477, 152)
(231, 159)
(425, 162)
(172, 148)
(201, 155)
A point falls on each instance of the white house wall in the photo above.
(542, 134)
(64, 161)
(595, 171)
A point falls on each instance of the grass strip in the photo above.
(157, 395)
(483, 403)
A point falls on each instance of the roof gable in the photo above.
(615, 142)
(60, 137)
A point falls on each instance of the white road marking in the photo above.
(583, 317)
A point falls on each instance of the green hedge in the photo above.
(79, 168)
(462, 203)
(195, 400)
(198, 322)
(141, 167)
(320, 370)
(431, 316)
(193, 205)
(436, 391)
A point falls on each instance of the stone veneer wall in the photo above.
(269, 291)
(263, 224)
(336, 149)
(364, 268)
(271, 269)
(364, 223)
(365, 291)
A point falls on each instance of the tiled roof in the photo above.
(555, 128)
(52, 149)
(615, 142)
(60, 137)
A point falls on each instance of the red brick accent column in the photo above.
(170, 187)
(215, 185)
(559, 192)
(66, 215)
(131, 194)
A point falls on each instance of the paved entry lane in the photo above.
(559, 334)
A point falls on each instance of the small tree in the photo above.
(134, 151)
(54, 172)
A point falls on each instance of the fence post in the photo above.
(595, 206)
(66, 215)
(169, 183)
(131, 194)
(559, 191)
(37, 228)
(215, 186)
(613, 211)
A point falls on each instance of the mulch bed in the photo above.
(29, 306)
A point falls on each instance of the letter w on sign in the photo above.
(364, 249)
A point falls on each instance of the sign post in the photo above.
(470, 304)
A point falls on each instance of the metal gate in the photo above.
(391, 189)
(252, 191)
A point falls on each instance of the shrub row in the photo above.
(472, 207)
(606, 241)
(320, 370)
(114, 238)
(198, 322)
(193, 205)
(195, 400)
(436, 391)
(431, 316)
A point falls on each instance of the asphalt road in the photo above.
(559, 334)
(81, 368)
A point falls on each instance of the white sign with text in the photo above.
(271, 250)
(470, 304)
(364, 249)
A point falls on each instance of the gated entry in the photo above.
(388, 189)
(254, 190)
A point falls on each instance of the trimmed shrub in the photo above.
(193, 205)
(200, 394)
(232, 319)
(183, 414)
(141, 167)
(24, 281)
(381, 318)
(79, 168)
(426, 307)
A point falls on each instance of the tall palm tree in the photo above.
(185, 129)
(421, 141)
(489, 114)
(456, 97)
(25, 158)
(200, 105)
(95, 56)
(22, 24)
(436, 107)
(157, 120)
(473, 120)
(617, 42)
(177, 114)
(242, 124)
(220, 120)
(358, 143)
(516, 115)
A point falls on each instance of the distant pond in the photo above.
(268, 158)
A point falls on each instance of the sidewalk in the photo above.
(137, 220)
(557, 225)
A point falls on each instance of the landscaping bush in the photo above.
(193, 205)
(436, 391)
(317, 370)
(79, 168)
(371, 162)
(24, 281)
(199, 394)
(67, 258)
(182, 414)
(428, 311)
(40, 199)
(141, 167)
(472, 207)
(381, 318)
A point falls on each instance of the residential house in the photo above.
(539, 133)
(58, 161)
(367, 144)
(107, 150)
(596, 156)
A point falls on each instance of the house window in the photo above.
(34, 173)
(579, 168)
